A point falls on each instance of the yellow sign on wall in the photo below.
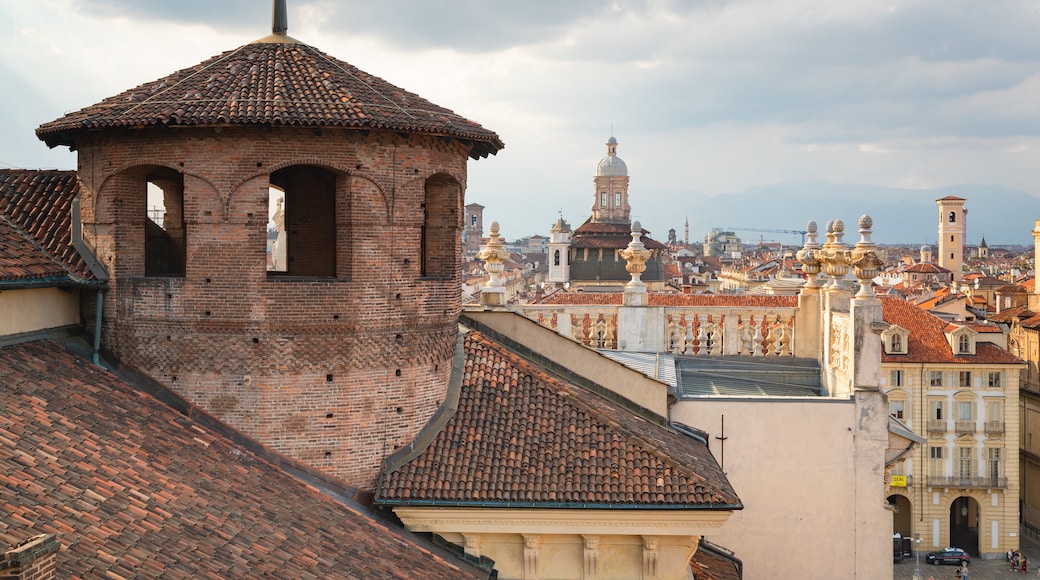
(898, 481)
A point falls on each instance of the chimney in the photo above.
(280, 23)
(32, 559)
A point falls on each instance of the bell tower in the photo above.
(952, 216)
(334, 344)
(611, 188)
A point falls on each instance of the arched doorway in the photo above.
(901, 512)
(964, 524)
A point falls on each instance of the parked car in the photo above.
(947, 556)
(901, 548)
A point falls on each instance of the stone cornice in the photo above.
(541, 521)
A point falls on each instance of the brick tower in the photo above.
(952, 229)
(340, 353)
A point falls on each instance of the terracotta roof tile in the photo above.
(523, 438)
(710, 562)
(609, 235)
(37, 204)
(927, 341)
(272, 83)
(672, 299)
(132, 488)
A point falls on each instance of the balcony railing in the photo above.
(965, 426)
(936, 426)
(994, 427)
(974, 481)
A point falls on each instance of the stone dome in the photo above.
(611, 165)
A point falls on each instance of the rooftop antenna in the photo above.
(280, 24)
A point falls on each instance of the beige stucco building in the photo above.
(955, 385)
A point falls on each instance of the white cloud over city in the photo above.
(705, 97)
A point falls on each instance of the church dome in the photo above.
(611, 165)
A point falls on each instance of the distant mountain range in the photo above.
(1002, 215)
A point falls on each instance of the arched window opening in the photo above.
(953, 217)
(301, 236)
(441, 227)
(277, 239)
(164, 232)
(556, 257)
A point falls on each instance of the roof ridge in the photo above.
(213, 61)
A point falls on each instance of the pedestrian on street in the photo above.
(964, 571)
(1025, 563)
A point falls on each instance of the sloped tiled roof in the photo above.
(522, 438)
(132, 488)
(710, 562)
(927, 341)
(21, 259)
(36, 206)
(928, 268)
(672, 299)
(278, 82)
(592, 234)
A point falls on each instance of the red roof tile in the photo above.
(38, 205)
(521, 437)
(132, 488)
(927, 341)
(21, 259)
(609, 235)
(274, 84)
(578, 298)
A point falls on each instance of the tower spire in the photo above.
(280, 20)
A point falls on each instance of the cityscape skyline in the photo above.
(707, 99)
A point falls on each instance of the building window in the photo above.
(966, 462)
(953, 218)
(937, 411)
(165, 243)
(603, 199)
(964, 344)
(617, 200)
(993, 380)
(897, 343)
(895, 408)
(556, 257)
(935, 462)
(895, 378)
(935, 379)
(994, 410)
(304, 241)
(440, 229)
(964, 378)
(473, 220)
(994, 464)
(965, 410)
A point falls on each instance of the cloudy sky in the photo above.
(706, 97)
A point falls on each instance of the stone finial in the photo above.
(493, 255)
(636, 256)
(864, 259)
(807, 256)
(833, 256)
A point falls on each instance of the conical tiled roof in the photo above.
(275, 81)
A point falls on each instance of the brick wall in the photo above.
(337, 371)
(33, 559)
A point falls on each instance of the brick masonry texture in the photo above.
(258, 350)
